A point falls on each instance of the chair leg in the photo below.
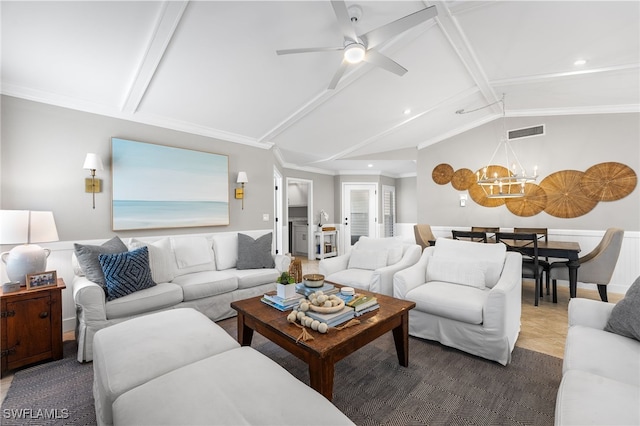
(537, 291)
(555, 291)
(602, 289)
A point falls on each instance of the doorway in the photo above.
(359, 212)
(300, 217)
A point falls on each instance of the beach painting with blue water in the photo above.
(156, 186)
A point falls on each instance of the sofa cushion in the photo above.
(625, 316)
(456, 271)
(133, 352)
(367, 259)
(225, 248)
(237, 387)
(358, 278)
(198, 285)
(126, 273)
(161, 296)
(191, 254)
(602, 353)
(456, 302)
(490, 256)
(159, 258)
(254, 253)
(87, 256)
(588, 399)
(248, 278)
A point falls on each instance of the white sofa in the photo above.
(600, 371)
(178, 367)
(371, 264)
(467, 295)
(209, 287)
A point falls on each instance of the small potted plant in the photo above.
(285, 284)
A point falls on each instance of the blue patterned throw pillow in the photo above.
(127, 272)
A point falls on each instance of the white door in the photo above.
(359, 212)
(388, 211)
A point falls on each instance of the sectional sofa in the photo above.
(197, 271)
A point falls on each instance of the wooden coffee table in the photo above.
(322, 353)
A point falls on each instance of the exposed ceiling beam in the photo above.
(168, 21)
(460, 44)
(557, 75)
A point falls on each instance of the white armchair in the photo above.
(467, 295)
(371, 264)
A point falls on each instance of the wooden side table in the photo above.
(31, 322)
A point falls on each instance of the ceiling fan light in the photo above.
(354, 53)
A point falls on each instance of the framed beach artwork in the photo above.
(156, 186)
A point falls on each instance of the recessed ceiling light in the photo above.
(407, 111)
(580, 62)
(369, 165)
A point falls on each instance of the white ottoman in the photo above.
(133, 352)
(237, 387)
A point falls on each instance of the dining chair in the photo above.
(543, 235)
(492, 229)
(530, 263)
(476, 237)
(424, 235)
(597, 266)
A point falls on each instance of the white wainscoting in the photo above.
(627, 268)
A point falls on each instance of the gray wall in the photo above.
(43, 150)
(406, 200)
(322, 192)
(571, 142)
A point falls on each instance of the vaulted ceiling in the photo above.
(210, 68)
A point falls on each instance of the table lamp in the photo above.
(25, 227)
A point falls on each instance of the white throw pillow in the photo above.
(159, 258)
(455, 271)
(225, 248)
(367, 259)
(490, 256)
(191, 254)
(392, 245)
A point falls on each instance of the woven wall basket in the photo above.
(463, 179)
(608, 181)
(533, 202)
(442, 174)
(565, 198)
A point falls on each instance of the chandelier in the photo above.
(502, 181)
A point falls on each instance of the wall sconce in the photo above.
(93, 162)
(242, 179)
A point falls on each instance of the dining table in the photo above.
(557, 249)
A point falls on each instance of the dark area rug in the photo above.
(440, 386)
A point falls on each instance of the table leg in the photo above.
(401, 339)
(573, 277)
(245, 333)
(321, 376)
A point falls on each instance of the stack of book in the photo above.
(363, 304)
(272, 299)
(334, 319)
(306, 291)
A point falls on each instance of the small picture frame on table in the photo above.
(42, 280)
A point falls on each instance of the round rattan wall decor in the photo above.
(565, 198)
(463, 179)
(442, 174)
(533, 202)
(608, 181)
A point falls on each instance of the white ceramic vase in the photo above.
(25, 259)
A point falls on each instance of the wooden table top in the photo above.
(390, 309)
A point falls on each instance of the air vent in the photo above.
(526, 133)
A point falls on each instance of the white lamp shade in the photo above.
(92, 162)
(14, 226)
(43, 228)
(242, 177)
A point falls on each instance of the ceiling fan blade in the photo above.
(338, 75)
(340, 9)
(381, 34)
(376, 58)
(308, 49)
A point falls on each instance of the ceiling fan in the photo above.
(361, 48)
